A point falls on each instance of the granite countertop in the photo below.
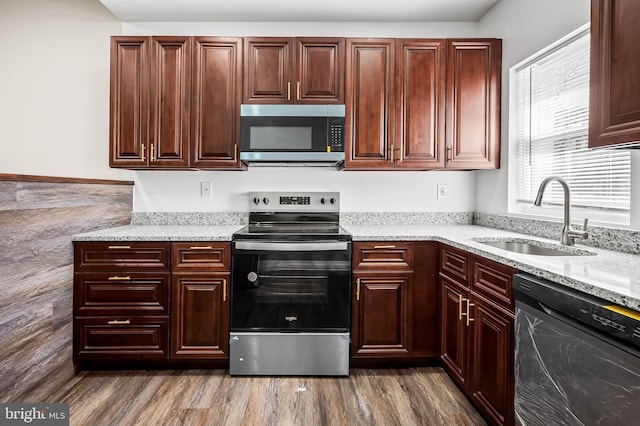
(611, 275)
(162, 233)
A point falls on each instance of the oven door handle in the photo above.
(292, 246)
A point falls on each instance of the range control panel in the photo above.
(294, 202)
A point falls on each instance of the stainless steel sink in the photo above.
(537, 248)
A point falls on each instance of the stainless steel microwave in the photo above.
(292, 133)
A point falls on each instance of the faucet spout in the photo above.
(568, 234)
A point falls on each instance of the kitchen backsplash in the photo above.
(616, 239)
(190, 218)
(406, 218)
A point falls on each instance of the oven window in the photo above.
(280, 138)
(294, 291)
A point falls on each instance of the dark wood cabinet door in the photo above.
(420, 87)
(473, 103)
(129, 102)
(370, 103)
(614, 95)
(454, 331)
(216, 97)
(268, 64)
(380, 314)
(491, 378)
(170, 99)
(319, 68)
(200, 316)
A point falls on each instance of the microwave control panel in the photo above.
(336, 134)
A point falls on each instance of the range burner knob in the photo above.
(332, 200)
(256, 200)
(322, 200)
(265, 200)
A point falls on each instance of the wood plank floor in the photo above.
(406, 397)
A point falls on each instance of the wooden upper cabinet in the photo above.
(370, 103)
(129, 102)
(420, 78)
(473, 88)
(319, 70)
(150, 96)
(216, 98)
(293, 70)
(614, 96)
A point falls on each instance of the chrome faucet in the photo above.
(568, 233)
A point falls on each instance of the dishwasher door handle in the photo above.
(292, 246)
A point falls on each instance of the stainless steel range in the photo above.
(291, 287)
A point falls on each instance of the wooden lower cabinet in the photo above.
(453, 331)
(491, 360)
(395, 302)
(200, 316)
(160, 302)
(381, 310)
(477, 333)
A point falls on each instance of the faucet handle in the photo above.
(586, 221)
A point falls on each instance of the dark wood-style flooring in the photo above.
(405, 397)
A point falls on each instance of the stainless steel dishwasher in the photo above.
(577, 357)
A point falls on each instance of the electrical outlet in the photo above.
(442, 190)
(205, 189)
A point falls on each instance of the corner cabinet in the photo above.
(614, 95)
(394, 315)
(477, 343)
(307, 70)
(423, 104)
(160, 117)
(474, 70)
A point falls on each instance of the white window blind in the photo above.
(552, 101)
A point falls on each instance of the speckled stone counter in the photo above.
(611, 275)
(162, 233)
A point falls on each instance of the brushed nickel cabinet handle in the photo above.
(118, 247)
(153, 153)
(119, 322)
(449, 153)
(460, 301)
(298, 91)
(469, 305)
(116, 278)
(235, 151)
(358, 289)
(385, 247)
(224, 290)
(200, 248)
(144, 149)
(288, 90)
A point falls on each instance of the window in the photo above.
(550, 103)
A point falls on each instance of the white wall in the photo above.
(359, 191)
(54, 88)
(526, 27)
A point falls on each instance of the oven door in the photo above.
(291, 286)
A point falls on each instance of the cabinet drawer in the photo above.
(122, 337)
(455, 264)
(201, 256)
(494, 281)
(119, 256)
(100, 293)
(383, 255)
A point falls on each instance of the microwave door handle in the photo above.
(293, 246)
